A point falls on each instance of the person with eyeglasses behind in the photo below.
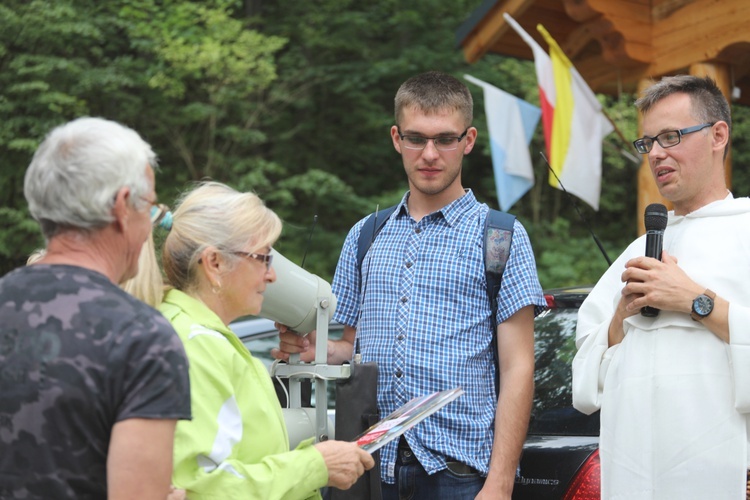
(92, 381)
(217, 262)
(674, 390)
(419, 308)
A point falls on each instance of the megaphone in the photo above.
(303, 302)
(294, 298)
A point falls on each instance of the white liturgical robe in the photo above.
(674, 398)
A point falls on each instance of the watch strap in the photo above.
(711, 295)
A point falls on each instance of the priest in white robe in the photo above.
(674, 390)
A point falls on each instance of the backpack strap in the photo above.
(369, 232)
(498, 235)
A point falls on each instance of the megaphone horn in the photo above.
(293, 299)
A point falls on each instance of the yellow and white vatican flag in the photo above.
(573, 121)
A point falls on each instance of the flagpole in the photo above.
(580, 214)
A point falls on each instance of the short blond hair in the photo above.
(36, 255)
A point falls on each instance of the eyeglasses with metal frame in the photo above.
(667, 139)
(265, 258)
(442, 142)
(158, 212)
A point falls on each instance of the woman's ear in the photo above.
(213, 264)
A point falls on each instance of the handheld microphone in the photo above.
(655, 219)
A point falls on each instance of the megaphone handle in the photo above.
(295, 385)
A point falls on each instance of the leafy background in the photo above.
(292, 100)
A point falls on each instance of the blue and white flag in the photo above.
(510, 123)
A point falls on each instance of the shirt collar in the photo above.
(452, 212)
(197, 310)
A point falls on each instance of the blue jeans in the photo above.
(413, 482)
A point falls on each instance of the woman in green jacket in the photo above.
(216, 258)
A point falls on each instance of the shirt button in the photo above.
(408, 265)
(399, 373)
(400, 336)
(404, 299)
(418, 230)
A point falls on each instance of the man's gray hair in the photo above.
(77, 171)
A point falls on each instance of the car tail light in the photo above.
(586, 484)
(550, 301)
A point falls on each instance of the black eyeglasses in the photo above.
(442, 143)
(667, 139)
(265, 258)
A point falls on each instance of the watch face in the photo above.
(703, 305)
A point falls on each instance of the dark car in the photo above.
(560, 457)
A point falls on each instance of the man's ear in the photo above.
(396, 139)
(470, 138)
(120, 208)
(720, 132)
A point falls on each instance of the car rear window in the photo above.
(554, 346)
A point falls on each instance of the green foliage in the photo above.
(20, 231)
(564, 258)
(188, 75)
(207, 71)
(45, 79)
(740, 149)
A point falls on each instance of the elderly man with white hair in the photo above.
(92, 381)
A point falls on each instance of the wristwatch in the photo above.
(703, 304)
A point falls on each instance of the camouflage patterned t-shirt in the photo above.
(77, 355)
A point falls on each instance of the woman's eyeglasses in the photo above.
(265, 258)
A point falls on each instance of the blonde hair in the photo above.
(215, 215)
(148, 285)
(36, 255)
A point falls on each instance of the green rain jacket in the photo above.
(236, 446)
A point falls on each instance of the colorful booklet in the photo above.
(405, 418)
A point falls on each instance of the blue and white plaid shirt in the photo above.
(425, 319)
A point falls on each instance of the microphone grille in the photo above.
(655, 217)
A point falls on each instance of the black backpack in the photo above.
(498, 234)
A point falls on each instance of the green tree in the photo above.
(188, 76)
(209, 72)
(48, 74)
